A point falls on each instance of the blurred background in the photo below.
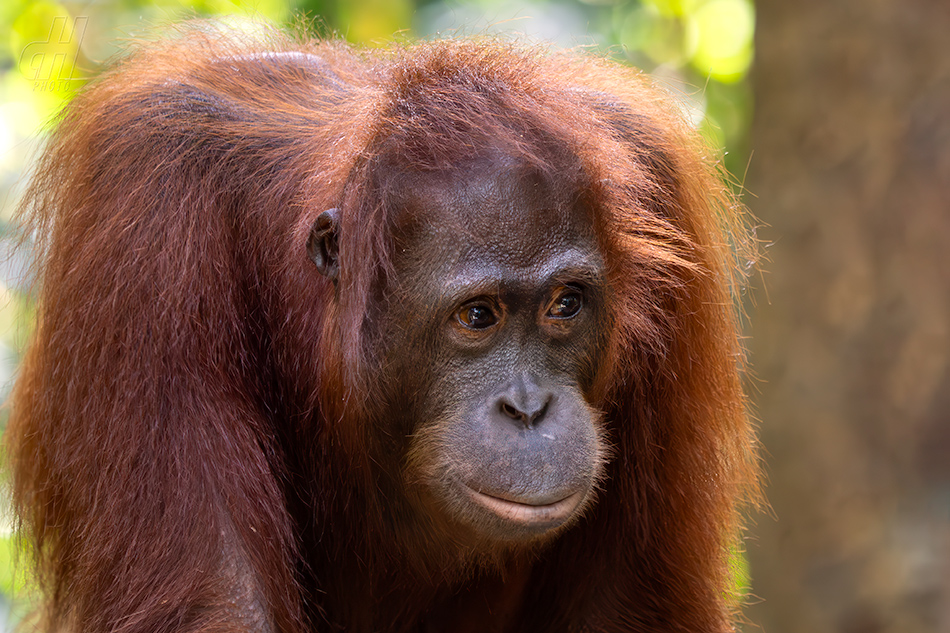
(833, 117)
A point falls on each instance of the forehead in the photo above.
(494, 213)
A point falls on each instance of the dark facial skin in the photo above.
(495, 325)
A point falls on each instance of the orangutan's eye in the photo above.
(566, 304)
(477, 316)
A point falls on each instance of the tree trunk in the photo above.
(851, 327)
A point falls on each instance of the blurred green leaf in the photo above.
(371, 21)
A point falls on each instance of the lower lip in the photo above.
(526, 514)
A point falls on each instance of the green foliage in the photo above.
(14, 579)
(739, 579)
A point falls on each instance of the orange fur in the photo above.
(187, 432)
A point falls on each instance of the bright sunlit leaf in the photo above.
(672, 8)
(46, 42)
(720, 34)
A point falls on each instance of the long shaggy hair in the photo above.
(186, 435)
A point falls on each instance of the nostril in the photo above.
(511, 411)
(537, 415)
